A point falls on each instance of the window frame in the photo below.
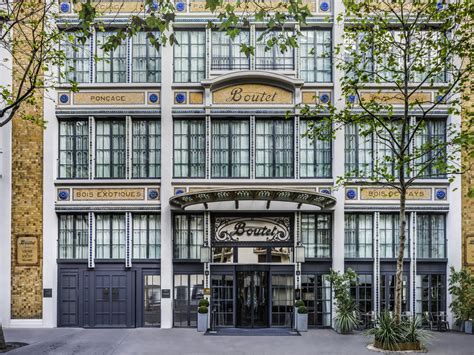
(190, 58)
(314, 151)
(314, 234)
(230, 45)
(86, 48)
(188, 239)
(147, 165)
(74, 246)
(111, 149)
(74, 150)
(357, 229)
(430, 233)
(108, 56)
(148, 48)
(148, 245)
(110, 241)
(188, 138)
(313, 59)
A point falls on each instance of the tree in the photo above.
(461, 286)
(414, 57)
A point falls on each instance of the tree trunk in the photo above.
(401, 250)
(3, 344)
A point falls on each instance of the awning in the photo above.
(265, 194)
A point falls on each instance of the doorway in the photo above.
(252, 299)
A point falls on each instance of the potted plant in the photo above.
(461, 287)
(203, 311)
(297, 305)
(302, 319)
(347, 312)
(405, 335)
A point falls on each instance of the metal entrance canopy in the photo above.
(267, 194)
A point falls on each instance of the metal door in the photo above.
(69, 300)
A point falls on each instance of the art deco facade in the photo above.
(174, 175)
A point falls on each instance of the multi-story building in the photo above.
(176, 174)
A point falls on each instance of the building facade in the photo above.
(174, 175)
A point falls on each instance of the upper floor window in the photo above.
(358, 235)
(274, 148)
(430, 148)
(110, 149)
(389, 225)
(110, 236)
(73, 149)
(146, 142)
(189, 56)
(358, 150)
(146, 59)
(272, 58)
(188, 236)
(73, 231)
(111, 64)
(316, 235)
(316, 56)
(315, 154)
(431, 235)
(77, 58)
(189, 148)
(146, 236)
(226, 53)
(230, 148)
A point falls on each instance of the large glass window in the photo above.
(77, 57)
(111, 66)
(389, 225)
(315, 154)
(110, 236)
(358, 235)
(431, 235)
(316, 235)
(110, 149)
(358, 151)
(189, 56)
(316, 56)
(73, 231)
(189, 148)
(223, 299)
(188, 291)
(387, 293)
(146, 145)
(316, 295)
(188, 236)
(146, 236)
(361, 292)
(226, 54)
(430, 294)
(230, 148)
(282, 300)
(274, 148)
(146, 59)
(272, 58)
(73, 149)
(430, 147)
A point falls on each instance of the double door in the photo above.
(252, 299)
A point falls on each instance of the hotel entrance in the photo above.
(252, 299)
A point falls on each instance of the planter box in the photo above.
(202, 322)
(302, 322)
(468, 327)
(400, 347)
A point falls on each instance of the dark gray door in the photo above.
(69, 300)
(110, 300)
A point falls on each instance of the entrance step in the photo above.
(254, 332)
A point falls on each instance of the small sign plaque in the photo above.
(27, 250)
(93, 98)
(47, 292)
(166, 293)
(207, 291)
(245, 94)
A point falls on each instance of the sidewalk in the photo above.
(78, 341)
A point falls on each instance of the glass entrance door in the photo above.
(252, 299)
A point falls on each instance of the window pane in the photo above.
(77, 57)
(189, 148)
(146, 148)
(189, 56)
(146, 59)
(272, 57)
(110, 149)
(315, 154)
(73, 242)
(74, 149)
(358, 235)
(110, 236)
(226, 54)
(188, 236)
(111, 65)
(315, 65)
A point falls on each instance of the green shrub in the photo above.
(203, 303)
(202, 309)
(392, 335)
(299, 303)
(461, 287)
(302, 310)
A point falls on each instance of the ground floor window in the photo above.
(223, 299)
(387, 293)
(362, 293)
(316, 294)
(152, 300)
(430, 294)
(282, 300)
(188, 290)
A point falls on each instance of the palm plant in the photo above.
(347, 312)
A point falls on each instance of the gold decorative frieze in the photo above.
(92, 98)
(115, 6)
(394, 98)
(245, 94)
(378, 193)
(196, 98)
(108, 194)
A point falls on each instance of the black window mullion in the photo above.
(188, 124)
(147, 146)
(147, 236)
(229, 147)
(189, 55)
(273, 149)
